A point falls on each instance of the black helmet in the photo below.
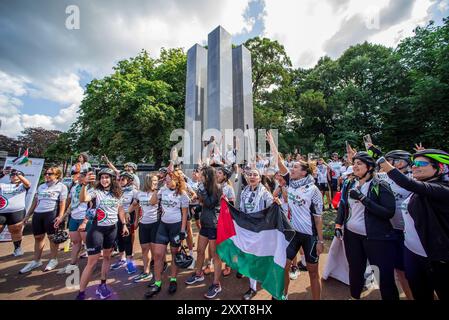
(60, 236)
(227, 171)
(127, 175)
(399, 155)
(183, 260)
(107, 171)
(365, 158)
(434, 154)
(163, 170)
(132, 165)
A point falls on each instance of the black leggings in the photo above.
(425, 276)
(379, 253)
(124, 243)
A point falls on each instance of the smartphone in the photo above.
(367, 140)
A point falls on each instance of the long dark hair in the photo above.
(114, 189)
(268, 183)
(210, 181)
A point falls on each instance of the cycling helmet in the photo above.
(227, 171)
(60, 236)
(163, 170)
(433, 154)
(127, 175)
(399, 155)
(132, 165)
(182, 259)
(107, 171)
(365, 158)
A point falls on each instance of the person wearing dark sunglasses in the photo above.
(426, 223)
(48, 207)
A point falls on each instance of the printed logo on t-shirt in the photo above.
(101, 215)
(47, 195)
(169, 203)
(296, 199)
(3, 202)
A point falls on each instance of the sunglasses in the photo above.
(49, 174)
(418, 163)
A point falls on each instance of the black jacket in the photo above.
(380, 206)
(210, 208)
(429, 208)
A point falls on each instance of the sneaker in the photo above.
(68, 269)
(294, 273)
(249, 294)
(81, 296)
(143, 277)
(103, 292)
(207, 270)
(53, 263)
(172, 287)
(30, 266)
(213, 290)
(131, 268)
(18, 252)
(118, 264)
(227, 271)
(154, 289)
(301, 266)
(192, 265)
(194, 278)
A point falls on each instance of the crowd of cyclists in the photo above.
(393, 213)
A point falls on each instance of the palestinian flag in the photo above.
(255, 245)
(23, 160)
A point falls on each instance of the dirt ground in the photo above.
(39, 285)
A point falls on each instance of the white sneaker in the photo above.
(31, 266)
(18, 252)
(51, 264)
(192, 266)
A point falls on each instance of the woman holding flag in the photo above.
(254, 198)
(306, 205)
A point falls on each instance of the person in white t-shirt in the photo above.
(174, 202)
(335, 166)
(48, 207)
(12, 207)
(147, 224)
(107, 195)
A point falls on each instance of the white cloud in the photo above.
(307, 25)
(393, 35)
(65, 89)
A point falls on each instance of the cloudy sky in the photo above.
(44, 66)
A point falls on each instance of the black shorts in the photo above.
(195, 210)
(147, 232)
(166, 233)
(307, 243)
(43, 222)
(11, 218)
(100, 237)
(322, 186)
(209, 233)
(334, 184)
(400, 247)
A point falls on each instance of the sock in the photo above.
(103, 281)
(17, 244)
(158, 283)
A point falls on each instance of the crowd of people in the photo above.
(392, 214)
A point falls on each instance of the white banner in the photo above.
(32, 171)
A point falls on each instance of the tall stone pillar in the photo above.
(219, 86)
(195, 104)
